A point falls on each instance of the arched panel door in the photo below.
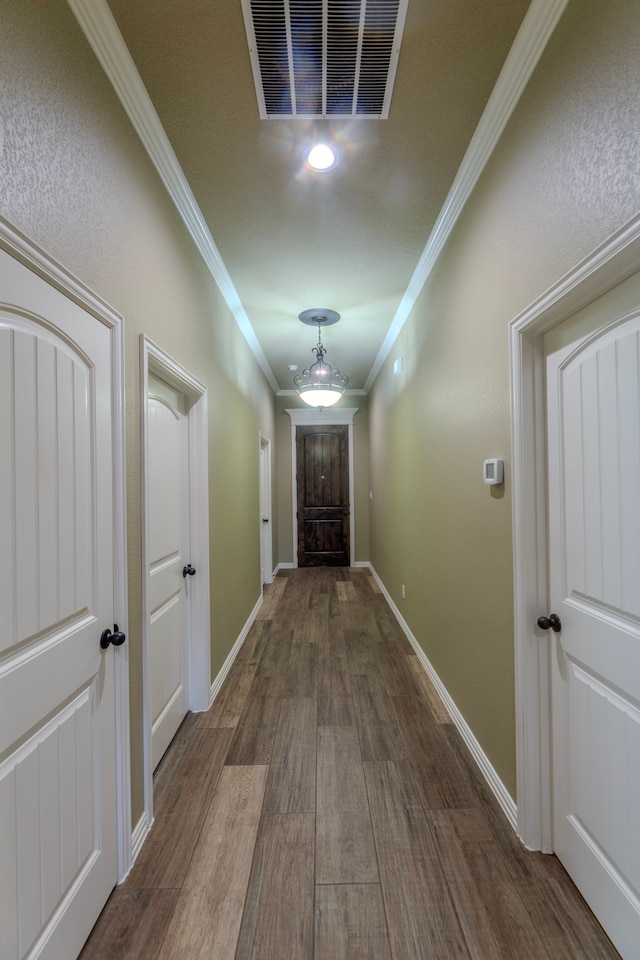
(323, 510)
(593, 408)
(168, 532)
(58, 851)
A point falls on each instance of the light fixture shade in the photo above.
(320, 385)
(320, 397)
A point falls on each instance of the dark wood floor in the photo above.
(325, 808)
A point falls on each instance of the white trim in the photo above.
(531, 39)
(121, 662)
(36, 260)
(233, 653)
(283, 566)
(488, 771)
(100, 29)
(307, 416)
(155, 360)
(610, 264)
(140, 833)
(40, 263)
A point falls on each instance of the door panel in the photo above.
(168, 527)
(57, 709)
(45, 429)
(323, 495)
(593, 388)
(266, 541)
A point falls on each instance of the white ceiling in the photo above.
(279, 238)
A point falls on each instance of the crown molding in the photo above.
(531, 39)
(100, 29)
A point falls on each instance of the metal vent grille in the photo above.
(324, 58)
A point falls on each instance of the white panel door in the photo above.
(168, 515)
(57, 711)
(266, 546)
(593, 391)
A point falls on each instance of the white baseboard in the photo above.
(488, 771)
(139, 835)
(233, 653)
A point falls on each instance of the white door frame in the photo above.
(310, 417)
(36, 260)
(266, 508)
(154, 360)
(610, 264)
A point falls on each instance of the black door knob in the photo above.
(188, 571)
(551, 622)
(117, 638)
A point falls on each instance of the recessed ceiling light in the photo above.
(321, 157)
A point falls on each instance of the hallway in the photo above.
(325, 808)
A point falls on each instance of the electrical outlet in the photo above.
(404, 592)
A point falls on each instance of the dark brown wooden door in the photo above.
(322, 466)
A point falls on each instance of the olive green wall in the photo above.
(285, 552)
(565, 176)
(75, 179)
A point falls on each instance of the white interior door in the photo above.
(266, 542)
(593, 391)
(168, 528)
(57, 713)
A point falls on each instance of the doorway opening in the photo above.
(537, 716)
(176, 655)
(321, 420)
(64, 729)
(266, 520)
(323, 506)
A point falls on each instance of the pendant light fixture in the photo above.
(320, 385)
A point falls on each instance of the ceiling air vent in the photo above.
(324, 58)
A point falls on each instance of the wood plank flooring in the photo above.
(325, 808)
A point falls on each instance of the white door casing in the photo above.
(593, 410)
(63, 792)
(609, 265)
(168, 532)
(332, 417)
(155, 362)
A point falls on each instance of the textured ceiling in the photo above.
(349, 239)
